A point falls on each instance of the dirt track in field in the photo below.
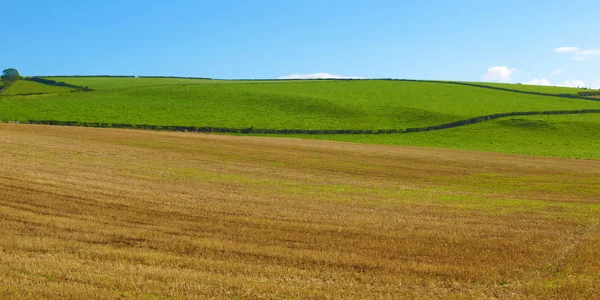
(108, 213)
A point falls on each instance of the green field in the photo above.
(23, 87)
(325, 105)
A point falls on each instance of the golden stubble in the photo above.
(107, 213)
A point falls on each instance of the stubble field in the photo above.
(108, 213)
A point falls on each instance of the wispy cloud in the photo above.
(580, 55)
(536, 81)
(499, 73)
(566, 49)
(317, 76)
(556, 72)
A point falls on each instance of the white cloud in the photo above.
(574, 83)
(566, 49)
(556, 72)
(536, 81)
(499, 73)
(317, 76)
(580, 58)
(596, 84)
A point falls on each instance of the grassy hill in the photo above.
(24, 87)
(326, 105)
(284, 105)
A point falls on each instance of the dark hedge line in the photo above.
(592, 93)
(57, 83)
(253, 130)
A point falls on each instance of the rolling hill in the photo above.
(319, 106)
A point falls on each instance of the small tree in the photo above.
(10, 75)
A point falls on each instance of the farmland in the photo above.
(355, 105)
(109, 213)
(120, 213)
(282, 105)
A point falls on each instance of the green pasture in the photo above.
(323, 105)
(366, 104)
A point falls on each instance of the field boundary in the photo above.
(252, 130)
(571, 96)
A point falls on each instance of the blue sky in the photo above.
(512, 41)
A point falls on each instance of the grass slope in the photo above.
(574, 136)
(107, 213)
(317, 105)
(24, 87)
(288, 105)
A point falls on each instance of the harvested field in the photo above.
(109, 213)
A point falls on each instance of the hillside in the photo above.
(285, 105)
(24, 87)
(114, 213)
(323, 105)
